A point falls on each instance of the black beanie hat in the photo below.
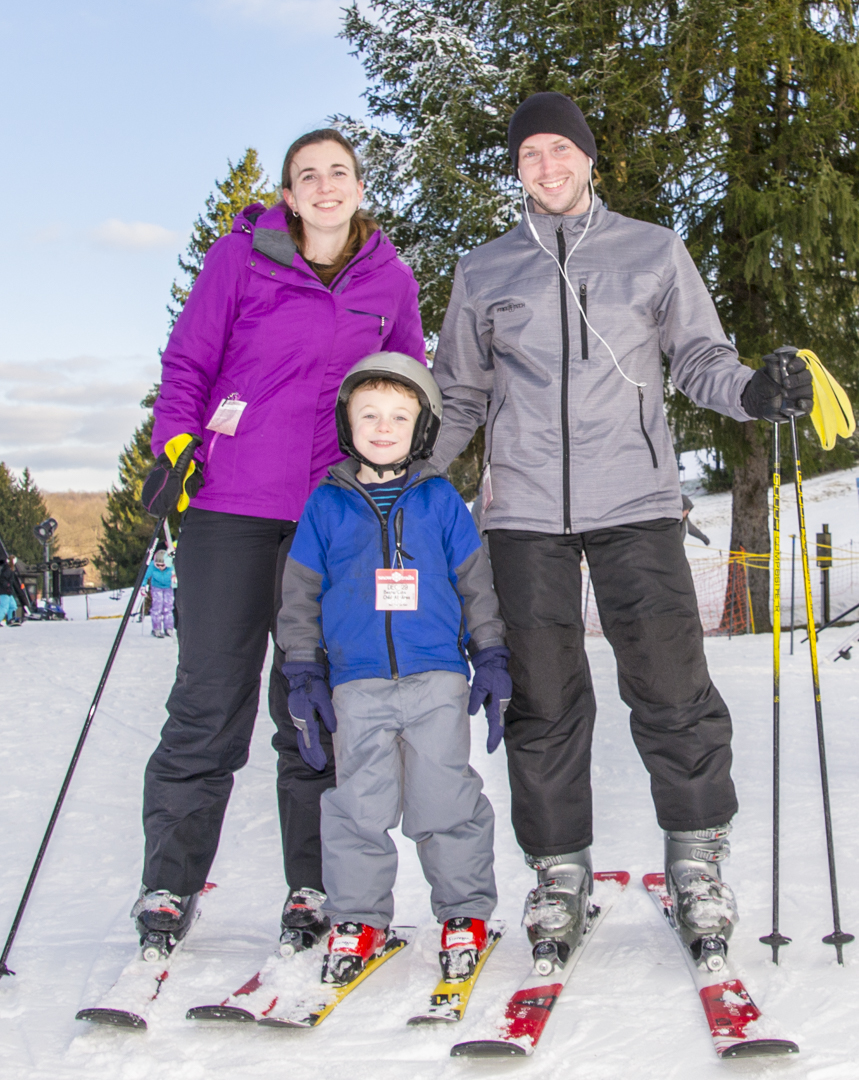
(549, 113)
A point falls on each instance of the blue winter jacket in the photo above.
(330, 581)
(160, 578)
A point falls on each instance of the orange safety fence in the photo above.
(721, 580)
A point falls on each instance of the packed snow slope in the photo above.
(629, 1010)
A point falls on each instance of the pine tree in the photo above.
(734, 124)
(21, 507)
(246, 183)
(127, 525)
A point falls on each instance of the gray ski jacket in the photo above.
(572, 445)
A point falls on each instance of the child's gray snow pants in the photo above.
(401, 748)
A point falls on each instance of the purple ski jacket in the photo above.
(261, 327)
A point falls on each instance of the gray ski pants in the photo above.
(401, 749)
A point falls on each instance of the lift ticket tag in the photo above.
(396, 590)
(227, 415)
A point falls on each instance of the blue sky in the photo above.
(117, 118)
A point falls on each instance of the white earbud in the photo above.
(563, 268)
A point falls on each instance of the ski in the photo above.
(528, 1009)
(258, 996)
(449, 1000)
(322, 1000)
(128, 1001)
(736, 1024)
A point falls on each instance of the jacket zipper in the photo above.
(583, 300)
(350, 266)
(386, 563)
(644, 429)
(372, 314)
(565, 380)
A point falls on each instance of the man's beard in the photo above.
(573, 201)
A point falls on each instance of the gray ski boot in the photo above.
(705, 909)
(556, 910)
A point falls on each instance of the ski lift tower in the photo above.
(44, 533)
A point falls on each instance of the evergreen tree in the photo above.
(21, 507)
(246, 183)
(734, 124)
(127, 526)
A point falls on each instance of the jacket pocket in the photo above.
(384, 320)
(653, 457)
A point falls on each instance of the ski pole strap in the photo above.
(832, 414)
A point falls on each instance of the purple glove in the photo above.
(492, 687)
(309, 695)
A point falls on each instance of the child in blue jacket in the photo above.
(159, 577)
(388, 580)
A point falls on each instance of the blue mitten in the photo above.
(492, 687)
(309, 695)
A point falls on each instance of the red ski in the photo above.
(528, 1010)
(737, 1025)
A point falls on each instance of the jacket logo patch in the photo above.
(509, 307)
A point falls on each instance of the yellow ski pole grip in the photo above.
(180, 449)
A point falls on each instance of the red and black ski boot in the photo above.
(350, 947)
(462, 942)
(302, 923)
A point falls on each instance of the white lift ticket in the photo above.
(396, 590)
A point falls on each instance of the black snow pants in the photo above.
(649, 613)
(229, 569)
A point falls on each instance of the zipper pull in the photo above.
(381, 326)
(398, 540)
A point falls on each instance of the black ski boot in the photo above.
(556, 911)
(162, 920)
(705, 908)
(302, 924)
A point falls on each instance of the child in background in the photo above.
(160, 578)
(396, 654)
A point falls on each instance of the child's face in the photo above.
(382, 423)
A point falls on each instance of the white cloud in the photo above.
(321, 16)
(67, 420)
(134, 234)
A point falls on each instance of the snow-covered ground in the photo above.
(630, 1009)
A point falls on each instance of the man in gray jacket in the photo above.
(554, 339)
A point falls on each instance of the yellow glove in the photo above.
(175, 479)
(832, 413)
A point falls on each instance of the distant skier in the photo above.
(160, 578)
(555, 337)
(8, 592)
(396, 649)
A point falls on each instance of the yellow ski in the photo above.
(449, 1000)
(302, 1016)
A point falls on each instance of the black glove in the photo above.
(175, 479)
(781, 389)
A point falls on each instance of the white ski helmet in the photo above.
(160, 557)
(401, 369)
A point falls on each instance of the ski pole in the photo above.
(775, 939)
(839, 938)
(16, 922)
(834, 622)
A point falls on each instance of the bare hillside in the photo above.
(78, 514)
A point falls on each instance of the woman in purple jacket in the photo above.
(282, 309)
